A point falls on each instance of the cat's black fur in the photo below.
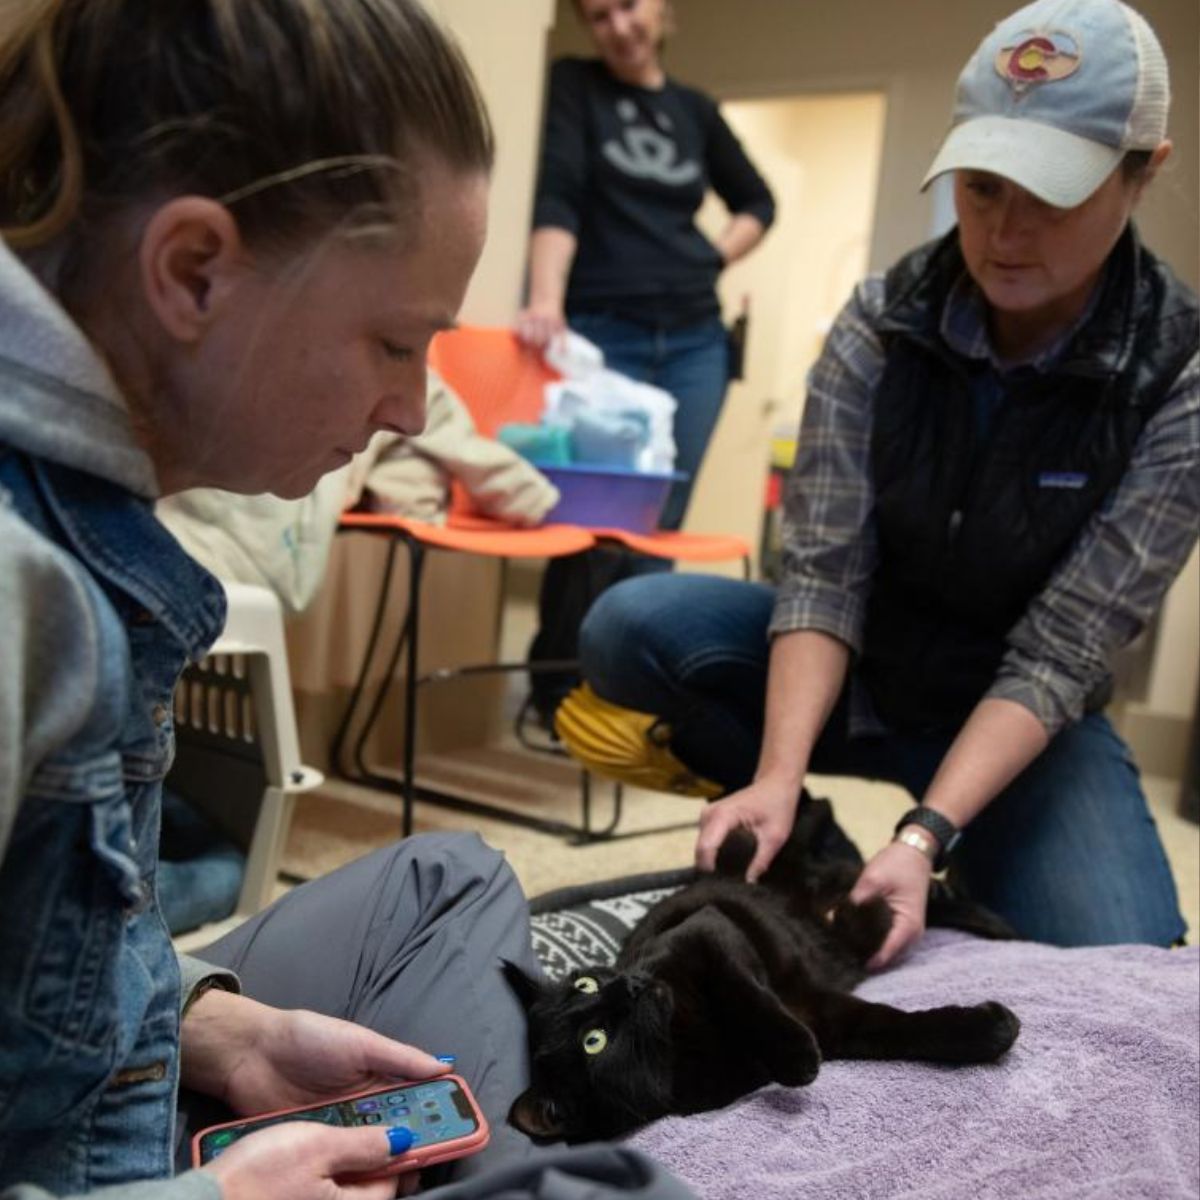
(725, 987)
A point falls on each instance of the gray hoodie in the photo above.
(59, 402)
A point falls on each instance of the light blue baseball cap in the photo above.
(1055, 95)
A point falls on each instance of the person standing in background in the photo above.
(628, 156)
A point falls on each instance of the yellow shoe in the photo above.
(630, 747)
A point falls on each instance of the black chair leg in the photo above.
(416, 560)
(406, 787)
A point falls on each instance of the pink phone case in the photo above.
(411, 1160)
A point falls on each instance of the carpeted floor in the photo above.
(340, 822)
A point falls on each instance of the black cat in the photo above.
(725, 987)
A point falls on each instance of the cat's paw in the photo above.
(985, 1031)
(861, 928)
(798, 1059)
(1004, 1026)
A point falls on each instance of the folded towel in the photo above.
(1098, 1098)
(611, 439)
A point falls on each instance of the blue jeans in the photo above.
(199, 872)
(1068, 853)
(691, 363)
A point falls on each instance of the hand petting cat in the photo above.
(766, 808)
(899, 875)
(998, 741)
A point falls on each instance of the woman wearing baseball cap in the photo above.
(996, 484)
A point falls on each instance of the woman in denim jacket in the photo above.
(230, 231)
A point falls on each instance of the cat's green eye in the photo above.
(595, 1041)
(587, 985)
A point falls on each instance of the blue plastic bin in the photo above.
(609, 497)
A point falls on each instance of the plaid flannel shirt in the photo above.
(1099, 597)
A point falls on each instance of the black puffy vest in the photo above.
(967, 540)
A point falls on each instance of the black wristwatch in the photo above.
(944, 831)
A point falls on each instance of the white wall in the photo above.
(795, 282)
(825, 221)
(505, 42)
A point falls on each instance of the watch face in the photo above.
(940, 829)
(926, 845)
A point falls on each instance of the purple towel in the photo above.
(1099, 1097)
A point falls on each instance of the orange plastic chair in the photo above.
(682, 547)
(498, 380)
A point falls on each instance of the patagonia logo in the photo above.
(1071, 481)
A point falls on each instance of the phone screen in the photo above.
(435, 1111)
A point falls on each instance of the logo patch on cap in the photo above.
(1037, 57)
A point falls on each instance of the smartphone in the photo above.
(442, 1115)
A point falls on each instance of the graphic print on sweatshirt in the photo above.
(646, 152)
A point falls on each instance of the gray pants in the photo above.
(408, 941)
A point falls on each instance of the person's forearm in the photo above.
(551, 253)
(806, 674)
(1000, 739)
(217, 1031)
(739, 237)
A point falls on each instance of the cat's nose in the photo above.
(636, 983)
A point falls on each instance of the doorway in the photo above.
(820, 153)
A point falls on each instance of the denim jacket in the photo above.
(99, 611)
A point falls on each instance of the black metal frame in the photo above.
(407, 787)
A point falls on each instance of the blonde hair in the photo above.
(301, 115)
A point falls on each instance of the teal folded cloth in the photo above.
(543, 445)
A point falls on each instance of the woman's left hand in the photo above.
(900, 875)
(257, 1058)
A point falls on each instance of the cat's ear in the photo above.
(536, 1115)
(527, 988)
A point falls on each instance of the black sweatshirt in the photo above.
(625, 170)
